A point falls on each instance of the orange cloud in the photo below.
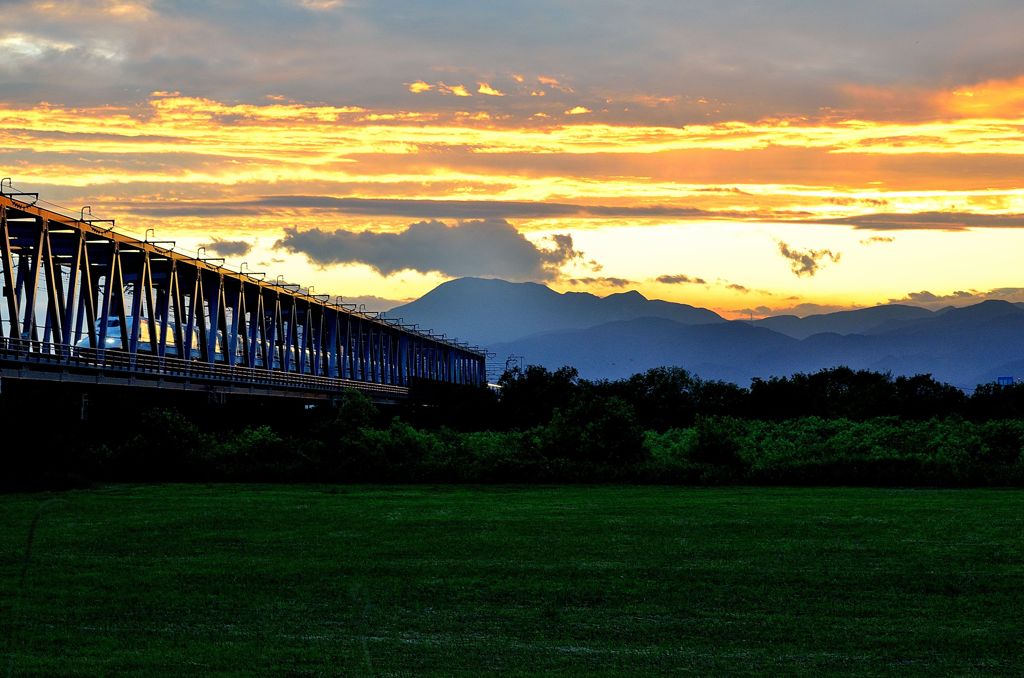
(994, 98)
(419, 87)
(118, 9)
(489, 91)
(128, 10)
(454, 90)
(553, 83)
(293, 129)
(774, 169)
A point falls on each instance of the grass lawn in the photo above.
(471, 580)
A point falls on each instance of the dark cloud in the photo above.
(743, 289)
(877, 239)
(848, 202)
(605, 281)
(506, 209)
(807, 309)
(933, 221)
(806, 262)
(418, 209)
(229, 248)
(801, 310)
(488, 247)
(366, 51)
(563, 247)
(926, 297)
(1015, 294)
(960, 297)
(758, 311)
(680, 279)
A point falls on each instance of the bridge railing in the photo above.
(30, 352)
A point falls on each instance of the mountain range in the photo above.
(621, 334)
(486, 311)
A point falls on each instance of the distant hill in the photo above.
(964, 346)
(486, 311)
(621, 334)
(860, 321)
(887, 318)
(964, 317)
(619, 349)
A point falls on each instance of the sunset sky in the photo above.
(750, 157)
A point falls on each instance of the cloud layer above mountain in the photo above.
(489, 247)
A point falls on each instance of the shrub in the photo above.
(718, 441)
(260, 453)
(597, 430)
(503, 457)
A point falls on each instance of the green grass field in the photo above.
(458, 580)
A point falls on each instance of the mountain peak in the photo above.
(990, 308)
(630, 295)
(485, 283)
(486, 310)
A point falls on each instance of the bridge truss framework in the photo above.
(83, 302)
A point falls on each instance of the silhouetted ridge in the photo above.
(625, 333)
(946, 345)
(858, 321)
(487, 311)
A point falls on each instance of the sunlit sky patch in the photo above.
(749, 157)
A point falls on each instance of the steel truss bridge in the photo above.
(83, 303)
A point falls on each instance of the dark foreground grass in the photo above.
(455, 580)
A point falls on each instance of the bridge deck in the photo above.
(20, 359)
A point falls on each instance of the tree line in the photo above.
(836, 426)
(667, 397)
